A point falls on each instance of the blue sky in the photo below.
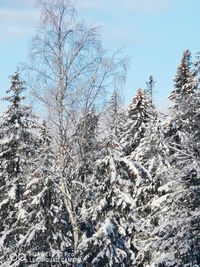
(152, 33)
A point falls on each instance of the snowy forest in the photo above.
(84, 180)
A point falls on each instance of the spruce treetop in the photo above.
(184, 81)
(140, 113)
(140, 105)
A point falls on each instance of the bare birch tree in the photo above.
(69, 72)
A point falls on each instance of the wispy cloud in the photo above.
(19, 18)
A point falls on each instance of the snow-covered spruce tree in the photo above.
(182, 112)
(175, 214)
(18, 149)
(115, 118)
(173, 221)
(86, 144)
(153, 151)
(48, 233)
(170, 230)
(140, 113)
(197, 64)
(173, 225)
(109, 213)
(194, 126)
(154, 154)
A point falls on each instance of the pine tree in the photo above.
(140, 113)
(18, 149)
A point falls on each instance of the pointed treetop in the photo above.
(16, 89)
(184, 81)
(116, 117)
(150, 87)
(17, 85)
(140, 102)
